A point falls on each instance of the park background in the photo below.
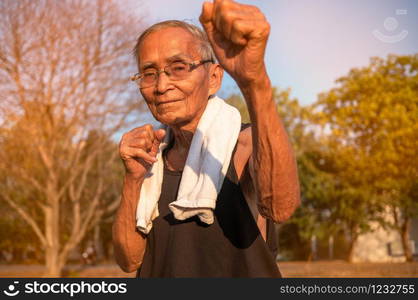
(346, 85)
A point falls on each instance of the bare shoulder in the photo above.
(244, 150)
(245, 137)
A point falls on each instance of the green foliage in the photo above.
(370, 131)
(238, 102)
(373, 118)
(356, 149)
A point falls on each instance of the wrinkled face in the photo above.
(174, 102)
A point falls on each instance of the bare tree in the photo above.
(64, 69)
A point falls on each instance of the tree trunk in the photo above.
(52, 263)
(98, 243)
(352, 244)
(350, 255)
(52, 249)
(406, 224)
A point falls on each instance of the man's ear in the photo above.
(216, 73)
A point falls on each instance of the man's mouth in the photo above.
(167, 101)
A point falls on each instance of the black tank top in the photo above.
(230, 247)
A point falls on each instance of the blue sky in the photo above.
(313, 42)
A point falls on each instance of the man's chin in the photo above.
(170, 119)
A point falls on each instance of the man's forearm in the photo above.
(275, 169)
(129, 244)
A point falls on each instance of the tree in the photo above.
(238, 102)
(64, 93)
(372, 117)
(17, 241)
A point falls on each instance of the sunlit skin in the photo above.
(159, 49)
(238, 34)
(178, 104)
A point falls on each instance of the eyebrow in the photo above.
(180, 56)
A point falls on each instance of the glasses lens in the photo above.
(149, 77)
(178, 70)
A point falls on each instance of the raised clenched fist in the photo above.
(238, 34)
(138, 149)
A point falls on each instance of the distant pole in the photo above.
(314, 247)
(331, 247)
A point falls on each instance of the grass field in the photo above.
(288, 269)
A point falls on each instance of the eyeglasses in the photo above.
(177, 70)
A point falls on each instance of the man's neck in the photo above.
(177, 154)
(183, 134)
(182, 140)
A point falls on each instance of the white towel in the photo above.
(204, 172)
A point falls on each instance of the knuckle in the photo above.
(123, 154)
(147, 127)
(142, 143)
(267, 27)
(137, 152)
(127, 137)
(134, 131)
(254, 9)
(122, 144)
(122, 148)
(237, 24)
(143, 134)
(224, 5)
(228, 16)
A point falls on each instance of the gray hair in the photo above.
(205, 49)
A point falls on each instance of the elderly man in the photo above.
(178, 76)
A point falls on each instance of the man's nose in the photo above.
(163, 82)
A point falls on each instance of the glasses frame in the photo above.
(192, 66)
